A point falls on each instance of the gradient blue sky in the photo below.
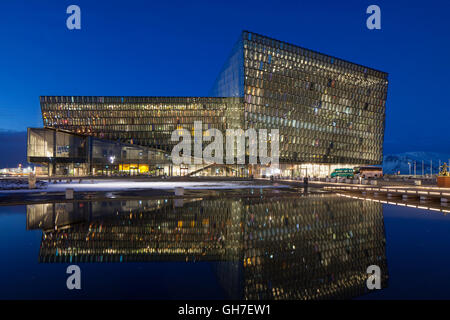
(176, 48)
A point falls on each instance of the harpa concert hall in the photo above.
(330, 114)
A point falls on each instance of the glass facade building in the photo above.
(328, 110)
(67, 153)
(330, 113)
(145, 121)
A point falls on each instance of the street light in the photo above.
(409, 164)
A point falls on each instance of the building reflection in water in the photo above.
(304, 247)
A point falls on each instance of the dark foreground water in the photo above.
(285, 247)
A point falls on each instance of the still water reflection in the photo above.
(302, 247)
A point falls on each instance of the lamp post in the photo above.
(409, 164)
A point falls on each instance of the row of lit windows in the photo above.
(306, 121)
(150, 123)
(308, 102)
(291, 89)
(160, 108)
(308, 114)
(315, 130)
(289, 51)
(330, 77)
(277, 108)
(298, 89)
(132, 100)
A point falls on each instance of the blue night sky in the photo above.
(176, 48)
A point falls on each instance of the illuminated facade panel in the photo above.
(145, 121)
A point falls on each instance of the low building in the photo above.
(67, 153)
